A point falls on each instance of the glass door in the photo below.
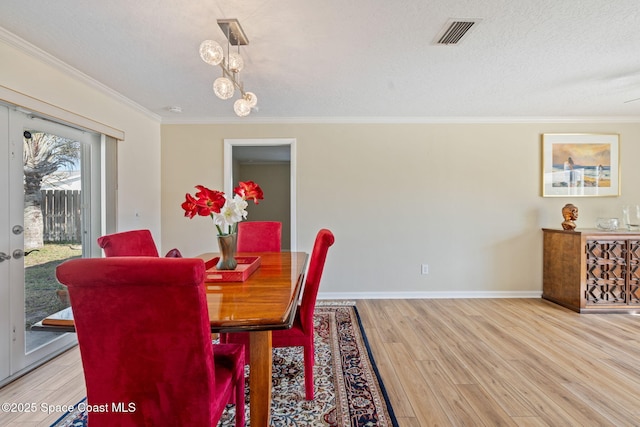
(48, 221)
(52, 222)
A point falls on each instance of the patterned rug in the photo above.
(349, 391)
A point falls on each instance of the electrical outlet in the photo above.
(425, 269)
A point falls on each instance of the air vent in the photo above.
(455, 31)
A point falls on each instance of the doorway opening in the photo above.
(270, 163)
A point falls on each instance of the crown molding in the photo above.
(395, 120)
(39, 54)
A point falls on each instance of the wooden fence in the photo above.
(61, 215)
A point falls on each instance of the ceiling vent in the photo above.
(455, 30)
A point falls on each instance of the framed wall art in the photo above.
(580, 165)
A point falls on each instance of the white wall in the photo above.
(52, 82)
(464, 198)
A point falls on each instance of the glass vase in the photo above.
(227, 245)
(631, 217)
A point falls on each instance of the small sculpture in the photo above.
(570, 214)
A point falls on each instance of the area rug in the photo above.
(349, 391)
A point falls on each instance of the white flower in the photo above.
(231, 213)
(241, 205)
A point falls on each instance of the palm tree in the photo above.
(43, 154)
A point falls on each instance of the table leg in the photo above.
(260, 378)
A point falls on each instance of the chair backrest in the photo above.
(145, 339)
(259, 236)
(324, 240)
(128, 243)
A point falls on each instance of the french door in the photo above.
(46, 218)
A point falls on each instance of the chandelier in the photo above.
(225, 86)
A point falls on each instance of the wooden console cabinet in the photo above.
(592, 270)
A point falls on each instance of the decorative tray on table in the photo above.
(246, 266)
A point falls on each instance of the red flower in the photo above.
(190, 206)
(205, 203)
(225, 212)
(249, 190)
(209, 201)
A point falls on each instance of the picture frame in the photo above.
(580, 165)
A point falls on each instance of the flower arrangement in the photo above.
(226, 212)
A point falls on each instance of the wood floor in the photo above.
(474, 362)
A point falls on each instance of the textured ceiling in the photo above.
(352, 60)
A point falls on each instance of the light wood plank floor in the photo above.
(517, 362)
(520, 362)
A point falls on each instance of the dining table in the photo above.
(265, 300)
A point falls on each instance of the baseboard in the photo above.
(428, 295)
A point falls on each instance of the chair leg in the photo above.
(239, 398)
(308, 370)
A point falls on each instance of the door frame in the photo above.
(5, 246)
(265, 142)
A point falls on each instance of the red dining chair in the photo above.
(144, 335)
(259, 236)
(301, 333)
(132, 243)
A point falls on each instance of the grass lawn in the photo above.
(40, 282)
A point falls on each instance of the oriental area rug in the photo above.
(348, 388)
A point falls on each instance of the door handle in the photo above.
(17, 254)
(4, 257)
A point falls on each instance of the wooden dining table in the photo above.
(267, 300)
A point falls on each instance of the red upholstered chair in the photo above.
(259, 236)
(132, 243)
(145, 342)
(301, 333)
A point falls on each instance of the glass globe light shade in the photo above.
(241, 107)
(211, 52)
(236, 63)
(223, 88)
(251, 98)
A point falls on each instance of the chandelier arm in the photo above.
(233, 77)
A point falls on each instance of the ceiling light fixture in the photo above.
(225, 86)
